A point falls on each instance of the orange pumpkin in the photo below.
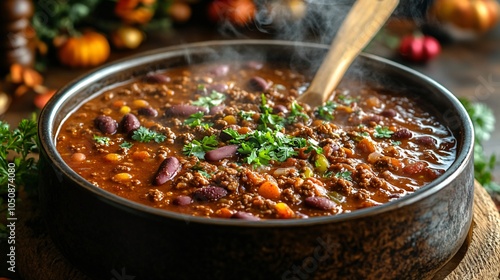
(89, 49)
(473, 15)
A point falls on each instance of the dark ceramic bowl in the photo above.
(104, 234)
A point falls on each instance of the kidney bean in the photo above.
(403, 133)
(182, 200)
(217, 87)
(280, 109)
(320, 202)
(106, 124)
(217, 109)
(389, 113)
(372, 118)
(210, 193)
(221, 153)
(185, 110)
(219, 70)
(256, 65)
(148, 112)
(167, 170)
(129, 123)
(244, 216)
(258, 84)
(426, 141)
(156, 78)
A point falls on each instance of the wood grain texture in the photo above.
(478, 259)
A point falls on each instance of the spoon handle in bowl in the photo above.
(363, 21)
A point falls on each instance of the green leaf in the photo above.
(214, 99)
(326, 111)
(145, 135)
(198, 149)
(102, 140)
(382, 132)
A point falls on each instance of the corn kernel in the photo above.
(112, 157)
(139, 103)
(122, 177)
(230, 119)
(125, 110)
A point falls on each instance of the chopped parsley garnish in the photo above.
(126, 145)
(145, 135)
(395, 143)
(102, 140)
(196, 119)
(382, 132)
(296, 111)
(199, 148)
(214, 99)
(267, 118)
(326, 111)
(346, 175)
(259, 147)
(347, 100)
(247, 116)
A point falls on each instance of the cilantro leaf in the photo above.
(126, 145)
(196, 119)
(199, 148)
(296, 111)
(326, 111)
(145, 135)
(346, 175)
(214, 99)
(382, 132)
(101, 140)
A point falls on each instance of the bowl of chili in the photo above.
(195, 161)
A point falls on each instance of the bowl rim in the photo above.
(47, 134)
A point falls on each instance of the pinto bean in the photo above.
(320, 202)
(155, 78)
(244, 216)
(221, 153)
(258, 84)
(185, 110)
(210, 193)
(129, 123)
(148, 112)
(167, 170)
(106, 124)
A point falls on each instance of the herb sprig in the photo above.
(214, 99)
(145, 135)
(199, 148)
(483, 121)
(18, 146)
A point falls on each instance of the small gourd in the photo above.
(87, 50)
(469, 15)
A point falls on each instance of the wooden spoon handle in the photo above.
(364, 20)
